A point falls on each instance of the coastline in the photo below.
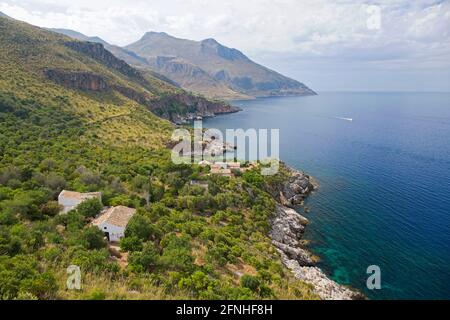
(233, 100)
(287, 229)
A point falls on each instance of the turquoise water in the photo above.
(384, 195)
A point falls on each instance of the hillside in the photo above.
(144, 87)
(74, 117)
(175, 71)
(128, 56)
(224, 66)
(207, 67)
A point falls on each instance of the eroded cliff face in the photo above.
(287, 228)
(183, 107)
(97, 52)
(78, 80)
(294, 187)
(176, 107)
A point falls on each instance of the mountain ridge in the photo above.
(227, 66)
(187, 63)
(75, 117)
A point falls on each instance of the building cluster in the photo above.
(111, 221)
(224, 169)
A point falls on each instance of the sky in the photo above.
(340, 45)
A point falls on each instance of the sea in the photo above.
(382, 160)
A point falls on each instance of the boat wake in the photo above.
(346, 119)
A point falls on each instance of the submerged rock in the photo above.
(287, 228)
(325, 287)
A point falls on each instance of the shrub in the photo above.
(90, 207)
(142, 228)
(43, 286)
(93, 238)
(132, 243)
(144, 260)
(250, 282)
(51, 208)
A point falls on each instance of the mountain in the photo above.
(128, 56)
(184, 60)
(177, 72)
(143, 86)
(78, 35)
(205, 67)
(75, 117)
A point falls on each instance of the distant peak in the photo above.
(154, 33)
(210, 41)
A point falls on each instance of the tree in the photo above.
(177, 253)
(51, 208)
(90, 207)
(143, 186)
(26, 204)
(141, 227)
(93, 238)
(144, 260)
(131, 244)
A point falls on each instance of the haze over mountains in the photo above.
(204, 67)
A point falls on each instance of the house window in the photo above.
(104, 228)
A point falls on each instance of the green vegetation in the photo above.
(184, 241)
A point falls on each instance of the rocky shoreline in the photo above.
(287, 228)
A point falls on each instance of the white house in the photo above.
(69, 200)
(114, 221)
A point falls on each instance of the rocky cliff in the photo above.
(77, 80)
(287, 228)
(97, 52)
(176, 107)
(183, 107)
(203, 67)
(165, 100)
(193, 78)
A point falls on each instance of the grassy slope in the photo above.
(53, 138)
(27, 50)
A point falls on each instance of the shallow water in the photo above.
(383, 163)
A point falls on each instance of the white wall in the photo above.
(115, 232)
(68, 203)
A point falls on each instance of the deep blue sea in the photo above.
(384, 196)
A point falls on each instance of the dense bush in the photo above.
(184, 241)
(90, 208)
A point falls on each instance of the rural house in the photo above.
(69, 200)
(114, 221)
(224, 169)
